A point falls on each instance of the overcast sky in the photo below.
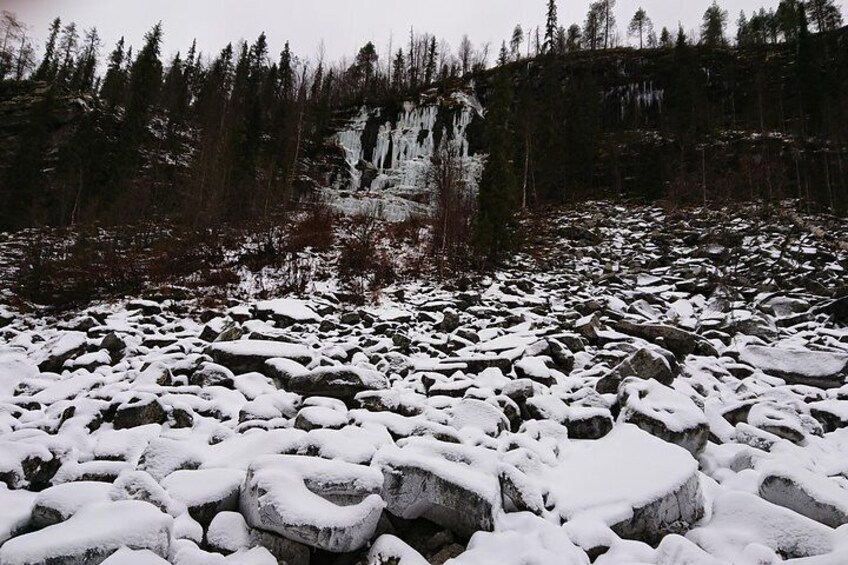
(343, 25)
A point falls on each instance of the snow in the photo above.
(522, 538)
(202, 486)
(626, 469)
(740, 519)
(297, 310)
(15, 511)
(102, 527)
(319, 430)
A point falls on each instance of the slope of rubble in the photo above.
(636, 387)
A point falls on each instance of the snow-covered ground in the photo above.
(636, 388)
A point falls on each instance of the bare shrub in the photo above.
(453, 221)
(363, 267)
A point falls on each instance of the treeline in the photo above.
(221, 136)
(692, 121)
(208, 138)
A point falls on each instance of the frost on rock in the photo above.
(92, 534)
(330, 505)
(640, 485)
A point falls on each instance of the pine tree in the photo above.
(551, 26)
(608, 15)
(286, 70)
(497, 195)
(68, 44)
(86, 65)
(640, 26)
(48, 68)
(742, 29)
(713, 26)
(573, 38)
(824, 14)
(593, 32)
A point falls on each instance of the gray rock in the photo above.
(343, 383)
(644, 364)
(250, 356)
(818, 498)
(140, 413)
(678, 341)
(328, 505)
(420, 481)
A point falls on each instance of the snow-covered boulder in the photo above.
(93, 534)
(522, 538)
(390, 550)
(663, 412)
(329, 505)
(582, 422)
(250, 355)
(228, 532)
(343, 383)
(205, 492)
(819, 498)
(60, 502)
(286, 311)
(644, 364)
(51, 356)
(452, 485)
(15, 511)
(797, 365)
(741, 519)
(643, 487)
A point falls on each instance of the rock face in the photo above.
(443, 483)
(93, 534)
(641, 486)
(332, 506)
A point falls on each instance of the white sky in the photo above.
(344, 25)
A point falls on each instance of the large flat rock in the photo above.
(798, 366)
(643, 487)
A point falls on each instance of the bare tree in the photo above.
(453, 220)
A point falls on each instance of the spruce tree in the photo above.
(47, 69)
(430, 69)
(516, 41)
(551, 26)
(497, 196)
(113, 83)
